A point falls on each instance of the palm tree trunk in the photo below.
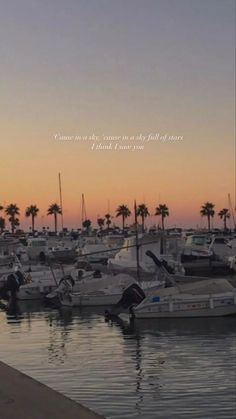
(12, 226)
(162, 222)
(225, 226)
(143, 223)
(32, 224)
(123, 223)
(55, 220)
(209, 222)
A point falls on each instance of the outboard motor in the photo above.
(12, 285)
(132, 295)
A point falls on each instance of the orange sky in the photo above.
(86, 70)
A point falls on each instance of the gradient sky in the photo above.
(109, 67)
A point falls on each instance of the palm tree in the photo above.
(32, 212)
(207, 210)
(2, 221)
(100, 222)
(108, 220)
(124, 212)
(12, 210)
(54, 209)
(2, 224)
(87, 225)
(142, 211)
(163, 211)
(224, 213)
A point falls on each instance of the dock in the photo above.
(22, 397)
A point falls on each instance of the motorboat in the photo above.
(62, 253)
(94, 253)
(209, 298)
(205, 298)
(99, 290)
(197, 246)
(106, 290)
(126, 258)
(36, 284)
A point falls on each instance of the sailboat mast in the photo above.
(83, 212)
(232, 210)
(136, 237)
(62, 221)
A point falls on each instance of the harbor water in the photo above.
(173, 368)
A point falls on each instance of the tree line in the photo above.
(12, 211)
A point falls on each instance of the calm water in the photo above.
(153, 369)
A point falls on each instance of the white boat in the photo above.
(37, 248)
(197, 246)
(232, 263)
(94, 253)
(104, 291)
(37, 284)
(210, 298)
(62, 253)
(202, 298)
(126, 258)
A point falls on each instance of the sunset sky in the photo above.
(117, 68)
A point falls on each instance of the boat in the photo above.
(35, 284)
(232, 263)
(94, 253)
(126, 258)
(62, 253)
(197, 246)
(205, 298)
(101, 290)
(210, 298)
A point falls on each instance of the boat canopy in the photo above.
(208, 286)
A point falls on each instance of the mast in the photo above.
(62, 222)
(136, 241)
(232, 211)
(83, 212)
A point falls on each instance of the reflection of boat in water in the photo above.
(187, 326)
(194, 327)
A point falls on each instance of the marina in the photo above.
(118, 210)
(146, 365)
(150, 369)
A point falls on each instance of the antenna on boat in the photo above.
(62, 222)
(136, 237)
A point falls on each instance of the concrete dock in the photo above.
(22, 397)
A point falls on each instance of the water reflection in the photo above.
(189, 326)
(128, 369)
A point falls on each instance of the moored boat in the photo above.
(209, 298)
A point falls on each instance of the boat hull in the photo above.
(217, 312)
(211, 305)
(90, 300)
